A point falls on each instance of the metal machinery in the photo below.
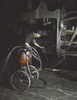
(67, 36)
(66, 30)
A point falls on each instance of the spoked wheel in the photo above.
(34, 73)
(20, 80)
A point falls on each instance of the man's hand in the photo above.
(27, 44)
(36, 44)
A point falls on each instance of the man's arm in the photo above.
(36, 44)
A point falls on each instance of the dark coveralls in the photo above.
(29, 38)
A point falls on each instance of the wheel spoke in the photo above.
(20, 80)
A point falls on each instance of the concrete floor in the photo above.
(57, 87)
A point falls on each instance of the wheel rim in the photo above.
(34, 73)
(20, 80)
